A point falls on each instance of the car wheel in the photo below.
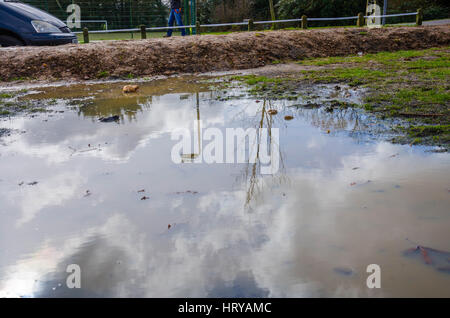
(7, 40)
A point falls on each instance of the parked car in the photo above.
(22, 24)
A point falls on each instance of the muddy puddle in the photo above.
(109, 197)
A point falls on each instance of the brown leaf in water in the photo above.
(144, 198)
(140, 191)
(425, 255)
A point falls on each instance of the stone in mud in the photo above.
(109, 119)
(130, 89)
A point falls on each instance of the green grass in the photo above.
(386, 58)
(425, 131)
(102, 74)
(409, 86)
(6, 95)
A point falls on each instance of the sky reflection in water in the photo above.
(339, 201)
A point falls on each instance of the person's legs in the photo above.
(179, 20)
(171, 19)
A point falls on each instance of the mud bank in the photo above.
(206, 53)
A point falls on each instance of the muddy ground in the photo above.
(129, 59)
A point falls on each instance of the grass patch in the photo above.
(411, 87)
(103, 74)
(426, 131)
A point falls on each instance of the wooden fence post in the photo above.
(419, 17)
(360, 22)
(143, 32)
(86, 35)
(197, 28)
(251, 25)
(304, 22)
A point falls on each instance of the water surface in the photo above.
(71, 193)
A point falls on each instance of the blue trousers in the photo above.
(175, 14)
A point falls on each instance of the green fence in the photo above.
(112, 14)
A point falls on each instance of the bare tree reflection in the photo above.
(251, 172)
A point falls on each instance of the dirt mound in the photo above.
(207, 52)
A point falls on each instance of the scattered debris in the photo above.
(344, 271)
(141, 191)
(144, 198)
(169, 226)
(355, 168)
(109, 119)
(80, 151)
(88, 193)
(188, 191)
(21, 183)
(32, 183)
(352, 184)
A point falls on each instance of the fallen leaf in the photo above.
(439, 260)
(144, 198)
(425, 255)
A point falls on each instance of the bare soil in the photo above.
(206, 53)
